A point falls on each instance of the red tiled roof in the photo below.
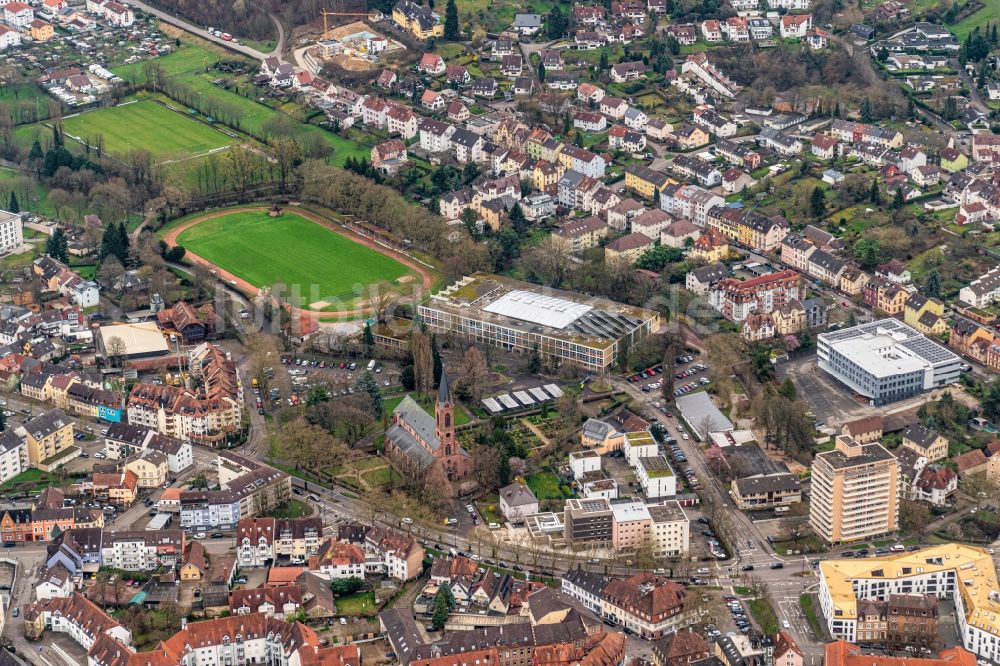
(969, 460)
(842, 653)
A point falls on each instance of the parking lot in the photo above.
(830, 402)
(338, 376)
(689, 375)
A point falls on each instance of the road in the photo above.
(975, 98)
(206, 35)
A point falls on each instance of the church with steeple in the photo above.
(417, 441)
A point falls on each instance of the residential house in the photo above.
(702, 279)
(779, 142)
(736, 299)
(516, 502)
(711, 30)
(583, 161)
(624, 139)
(627, 71)
(590, 121)
(400, 120)
(817, 38)
(696, 168)
(613, 107)
(824, 146)
(792, 26)
(435, 136)
(760, 28)
(708, 118)
(953, 161)
(736, 29)
(419, 21)
(690, 136)
(485, 87)
(468, 146)
(581, 234)
(389, 156)
(627, 248)
(645, 181)
(620, 215)
(711, 246)
(524, 86)
(47, 435)
(926, 442)
(736, 180)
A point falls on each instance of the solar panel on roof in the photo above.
(538, 308)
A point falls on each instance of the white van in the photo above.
(371, 365)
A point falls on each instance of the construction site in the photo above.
(354, 46)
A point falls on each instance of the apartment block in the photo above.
(670, 533)
(855, 492)
(588, 521)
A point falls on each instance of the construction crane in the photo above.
(325, 13)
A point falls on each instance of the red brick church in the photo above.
(418, 442)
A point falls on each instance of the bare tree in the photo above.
(241, 160)
(486, 467)
(287, 153)
(423, 361)
(111, 269)
(673, 347)
(474, 371)
(115, 349)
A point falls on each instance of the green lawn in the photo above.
(380, 477)
(990, 13)
(188, 58)
(809, 610)
(545, 485)
(290, 250)
(292, 509)
(147, 125)
(264, 47)
(86, 271)
(28, 481)
(17, 260)
(254, 115)
(764, 614)
(360, 604)
(191, 65)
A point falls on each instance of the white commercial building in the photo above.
(886, 361)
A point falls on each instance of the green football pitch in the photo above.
(290, 250)
(146, 125)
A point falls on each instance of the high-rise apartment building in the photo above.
(855, 492)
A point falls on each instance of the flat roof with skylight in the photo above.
(519, 315)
